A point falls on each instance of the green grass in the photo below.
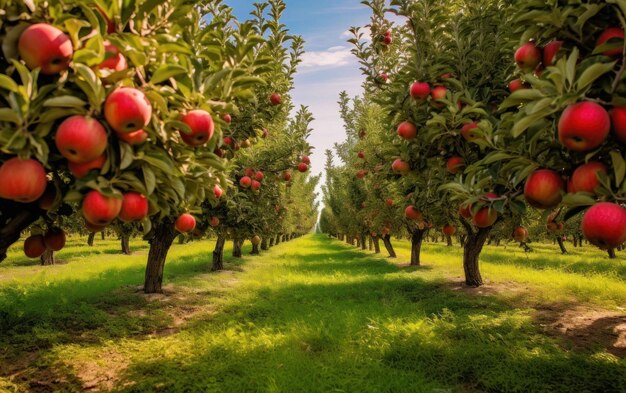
(312, 315)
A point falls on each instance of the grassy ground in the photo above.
(314, 315)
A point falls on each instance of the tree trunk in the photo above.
(14, 218)
(272, 241)
(471, 253)
(125, 244)
(559, 240)
(370, 244)
(449, 240)
(417, 236)
(255, 249)
(218, 254)
(277, 239)
(102, 235)
(90, 238)
(611, 252)
(47, 258)
(164, 235)
(376, 241)
(237, 243)
(462, 239)
(389, 246)
(264, 245)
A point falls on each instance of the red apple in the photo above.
(604, 225)
(185, 223)
(259, 176)
(584, 126)
(227, 118)
(302, 167)
(455, 165)
(217, 191)
(276, 99)
(383, 77)
(99, 209)
(420, 90)
(360, 154)
(517, 84)
(439, 93)
(400, 166)
(465, 211)
(34, 246)
(255, 185)
(214, 222)
(287, 176)
(202, 127)
(361, 174)
(127, 109)
(520, 234)
(387, 39)
(113, 59)
(618, 121)
(449, 230)
(81, 170)
(228, 140)
(245, 182)
(133, 138)
(528, 56)
(412, 213)
(389, 202)
(468, 133)
(485, 217)
(81, 139)
(407, 130)
(45, 47)
(543, 189)
(612, 33)
(585, 177)
(306, 160)
(54, 239)
(22, 180)
(134, 207)
(550, 51)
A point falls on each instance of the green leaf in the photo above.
(65, 102)
(8, 83)
(166, 71)
(127, 155)
(578, 199)
(619, 166)
(149, 178)
(592, 73)
(9, 115)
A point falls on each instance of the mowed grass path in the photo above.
(311, 315)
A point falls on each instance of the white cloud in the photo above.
(332, 57)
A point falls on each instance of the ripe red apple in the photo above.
(22, 180)
(618, 121)
(99, 209)
(276, 99)
(361, 174)
(134, 207)
(259, 176)
(387, 39)
(528, 56)
(584, 126)
(46, 47)
(550, 51)
(287, 176)
(127, 109)
(585, 177)
(439, 93)
(407, 130)
(468, 133)
(543, 189)
(485, 217)
(133, 138)
(81, 170)
(360, 154)
(185, 223)
(202, 127)
(228, 140)
(517, 84)
(227, 118)
(302, 167)
(54, 239)
(604, 225)
(455, 165)
(412, 213)
(306, 160)
(214, 222)
(34, 246)
(113, 59)
(420, 90)
(400, 166)
(245, 182)
(255, 185)
(389, 202)
(383, 77)
(520, 234)
(217, 191)
(249, 172)
(465, 211)
(612, 33)
(449, 230)
(81, 139)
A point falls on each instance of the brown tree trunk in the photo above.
(471, 253)
(277, 239)
(218, 254)
(272, 241)
(376, 241)
(559, 240)
(255, 249)
(449, 240)
(125, 244)
(389, 246)
(363, 243)
(611, 252)
(358, 242)
(237, 243)
(370, 244)
(462, 239)
(264, 245)
(90, 238)
(102, 235)
(47, 258)
(164, 235)
(417, 236)
(14, 218)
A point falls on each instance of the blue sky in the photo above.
(328, 67)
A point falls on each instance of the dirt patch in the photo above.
(102, 374)
(585, 328)
(504, 288)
